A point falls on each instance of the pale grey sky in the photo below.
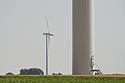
(23, 21)
(109, 35)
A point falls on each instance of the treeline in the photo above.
(31, 71)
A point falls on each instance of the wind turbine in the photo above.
(48, 35)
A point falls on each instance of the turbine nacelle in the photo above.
(48, 34)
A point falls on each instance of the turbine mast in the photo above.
(48, 35)
(83, 45)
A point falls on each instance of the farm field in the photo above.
(63, 79)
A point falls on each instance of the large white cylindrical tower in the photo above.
(83, 36)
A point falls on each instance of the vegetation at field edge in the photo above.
(60, 79)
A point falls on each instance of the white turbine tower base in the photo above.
(83, 36)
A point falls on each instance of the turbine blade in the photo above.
(47, 24)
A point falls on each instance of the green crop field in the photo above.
(62, 79)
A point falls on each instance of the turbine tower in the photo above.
(83, 36)
(48, 34)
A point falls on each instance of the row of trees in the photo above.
(31, 71)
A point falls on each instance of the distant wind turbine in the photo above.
(48, 35)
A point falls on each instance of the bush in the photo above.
(31, 71)
(9, 73)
